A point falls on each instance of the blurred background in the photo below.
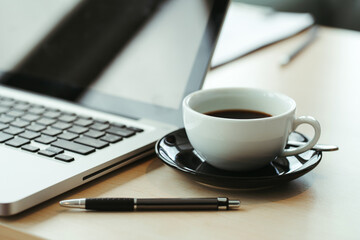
(335, 13)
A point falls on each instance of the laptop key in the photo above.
(101, 121)
(6, 119)
(94, 134)
(119, 125)
(20, 123)
(45, 139)
(51, 131)
(4, 137)
(83, 122)
(22, 106)
(64, 158)
(52, 114)
(30, 148)
(30, 117)
(61, 125)
(136, 129)
(36, 127)
(111, 138)
(29, 135)
(85, 117)
(123, 132)
(68, 136)
(3, 126)
(4, 109)
(15, 113)
(77, 129)
(67, 118)
(73, 147)
(17, 142)
(7, 102)
(45, 121)
(36, 110)
(100, 126)
(47, 153)
(14, 130)
(92, 142)
(55, 150)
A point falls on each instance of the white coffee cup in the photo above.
(243, 144)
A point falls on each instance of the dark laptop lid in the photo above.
(133, 58)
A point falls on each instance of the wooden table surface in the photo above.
(324, 80)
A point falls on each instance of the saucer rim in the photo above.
(303, 169)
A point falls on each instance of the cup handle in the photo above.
(307, 120)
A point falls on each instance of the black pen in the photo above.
(310, 38)
(135, 204)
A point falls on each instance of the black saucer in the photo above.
(175, 150)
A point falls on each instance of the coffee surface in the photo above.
(238, 114)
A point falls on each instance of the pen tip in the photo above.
(73, 203)
(284, 61)
(233, 204)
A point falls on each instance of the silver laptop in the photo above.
(87, 87)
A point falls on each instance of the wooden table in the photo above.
(324, 204)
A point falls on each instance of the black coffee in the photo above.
(238, 114)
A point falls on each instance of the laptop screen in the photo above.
(133, 58)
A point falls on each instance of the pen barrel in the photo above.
(133, 204)
(110, 204)
(181, 204)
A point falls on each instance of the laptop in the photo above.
(87, 87)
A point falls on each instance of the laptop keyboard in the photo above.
(22, 124)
